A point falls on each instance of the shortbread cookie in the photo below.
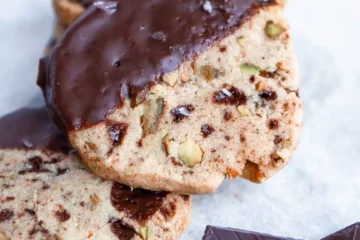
(176, 95)
(48, 193)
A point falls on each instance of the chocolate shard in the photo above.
(220, 233)
(351, 232)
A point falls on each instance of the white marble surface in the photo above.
(319, 191)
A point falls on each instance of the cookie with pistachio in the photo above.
(177, 95)
(48, 193)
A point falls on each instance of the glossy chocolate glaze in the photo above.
(138, 204)
(31, 129)
(105, 57)
(84, 3)
(351, 232)
(220, 233)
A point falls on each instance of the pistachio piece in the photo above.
(129, 170)
(190, 153)
(273, 30)
(95, 164)
(244, 111)
(152, 113)
(250, 69)
(241, 41)
(171, 79)
(166, 141)
(145, 233)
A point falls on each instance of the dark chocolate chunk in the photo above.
(351, 232)
(30, 211)
(9, 199)
(36, 166)
(32, 129)
(267, 74)
(230, 95)
(63, 215)
(228, 116)
(185, 197)
(6, 214)
(61, 171)
(121, 229)
(168, 211)
(117, 132)
(277, 139)
(220, 233)
(273, 124)
(181, 112)
(137, 204)
(268, 95)
(252, 79)
(150, 39)
(206, 130)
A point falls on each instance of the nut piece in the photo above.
(260, 86)
(184, 78)
(210, 73)
(273, 30)
(190, 153)
(145, 233)
(241, 41)
(94, 201)
(244, 111)
(250, 69)
(166, 141)
(171, 79)
(152, 112)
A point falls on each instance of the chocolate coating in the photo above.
(220, 233)
(122, 230)
(84, 3)
(351, 232)
(137, 204)
(31, 129)
(107, 56)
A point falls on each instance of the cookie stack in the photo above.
(161, 95)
